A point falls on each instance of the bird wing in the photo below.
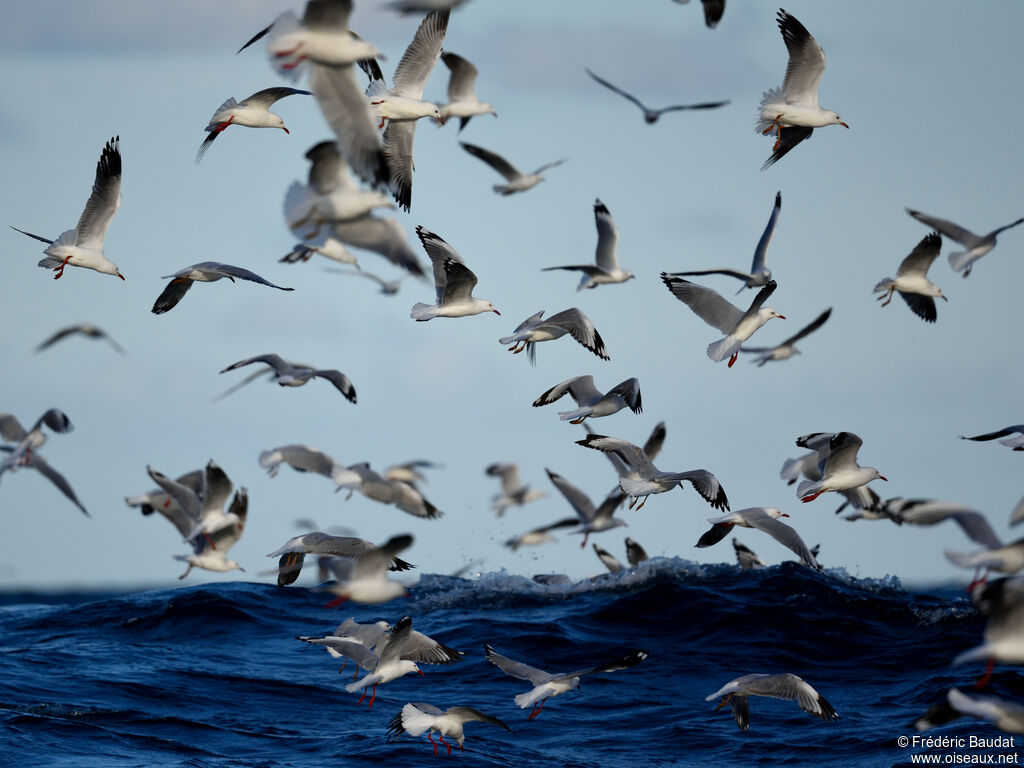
(655, 440)
(574, 386)
(466, 714)
(789, 137)
(301, 458)
(921, 258)
(459, 283)
(789, 686)
(706, 303)
(57, 336)
(998, 433)
(807, 330)
(617, 90)
(607, 238)
(266, 97)
(328, 170)
(170, 296)
(347, 111)
(383, 236)
(922, 306)
(737, 273)
(629, 390)
(497, 162)
(842, 452)
(516, 668)
(632, 455)
(439, 252)
(42, 465)
(274, 361)
(761, 251)
(184, 496)
(341, 382)
(629, 660)
(577, 499)
(783, 534)
(705, 483)
(460, 84)
(700, 105)
(546, 166)
(806, 62)
(418, 60)
(579, 326)
(11, 429)
(225, 537)
(104, 200)
(344, 646)
(953, 231)
(398, 139)
(379, 559)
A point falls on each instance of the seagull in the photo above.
(453, 281)
(1005, 715)
(28, 440)
(608, 559)
(375, 637)
(384, 236)
(912, 281)
(839, 470)
(709, 306)
(86, 329)
(402, 495)
(607, 269)
(809, 465)
(203, 272)
(200, 503)
(38, 463)
(288, 375)
(369, 635)
(409, 471)
(328, 246)
(1016, 443)
(304, 458)
(763, 519)
(540, 535)
(398, 654)
(976, 246)
(713, 10)
(746, 558)
(365, 580)
(415, 718)
(794, 106)
(159, 500)
(593, 403)
(403, 105)
(652, 115)
(547, 684)
(649, 479)
(781, 686)
(635, 554)
(591, 519)
(517, 180)
(513, 492)
(330, 194)
(786, 349)
(462, 100)
(759, 274)
(253, 112)
(386, 287)
(931, 512)
(292, 553)
(652, 447)
(321, 36)
(571, 321)
(83, 245)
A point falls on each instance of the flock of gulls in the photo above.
(368, 167)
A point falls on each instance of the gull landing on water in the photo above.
(911, 281)
(83, 245)
(781, 686)
(607, 269)
(792, 110)
(253, 112)
(652, 115)
(709, 306)
(976, 246)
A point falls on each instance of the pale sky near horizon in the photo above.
(929, 90)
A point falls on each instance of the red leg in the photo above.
(361, 697)
(372, 697)
(430, 736)
(60, 270)
(984, 679)
(293, 64)
(585, 537)
(282, 54)
(336, 602)
(209, 541)
(449, 746)
(771, 127)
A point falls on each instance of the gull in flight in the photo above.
(453, 282)
(540, 535)
(376, 637)
(709, 306)
(763, 519)
(37, 462)
(781, 686)
(513, 492)
(403, 106)
(288, 375)
(329, 195)
(419, 717)
(83, 245)
(203, 272)
(194, 504)
(759, 274)
(792, 111)
(303, 458)
(786, 349)
(462, 100)
(610, 561)
(366, 580)
(253, 112)
(809, 466)
(1015, 443)
(293, 553)
(592, 402)
(645, 478)
(572, 321)
(652, 115)
(28, 440)
(327, 246)
(838, 468)
(548, 684)
(607, 269)
(384, 236)
(517, 180)
(159, 500)
(86, 329)
(591, 519)
(401, 494)
(912, 281)
(963, 261)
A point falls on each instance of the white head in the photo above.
(836, 119)
(773, 512)
(278, 123)
(110, 268)
(768, 313)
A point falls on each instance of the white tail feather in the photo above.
(414, 721)
(727, 347)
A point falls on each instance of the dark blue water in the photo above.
(213, 675)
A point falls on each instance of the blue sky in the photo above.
(931, 100)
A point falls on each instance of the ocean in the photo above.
(213, 676)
